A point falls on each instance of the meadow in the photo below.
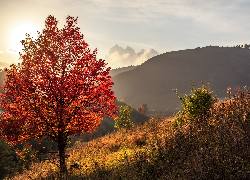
(215, 146)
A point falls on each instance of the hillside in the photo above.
(211, 147)
(107, 125)
(47, 145)
(152, 82)
(116, 71)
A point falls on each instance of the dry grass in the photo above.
(212, 147)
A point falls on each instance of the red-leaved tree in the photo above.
(58, 90)
(140, 109)
(143, 109)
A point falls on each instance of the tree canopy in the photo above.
(59, 89)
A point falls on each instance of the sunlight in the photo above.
(18, 34)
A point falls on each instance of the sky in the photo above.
(161, 25)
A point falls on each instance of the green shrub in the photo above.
(10, 162)
(123, 120)
(28, 155)
(197, 103)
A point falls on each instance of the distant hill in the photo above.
(2, 79)
(151, 82)
(116, 71)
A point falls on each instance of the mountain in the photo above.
(2, 79)
(116, 71)
(151, 83)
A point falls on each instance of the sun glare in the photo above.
(18, 34)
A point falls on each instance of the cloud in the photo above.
(216, 15)
(119, 57)
(144, 55)
(12, 51)
(116, 60)
(1, 52)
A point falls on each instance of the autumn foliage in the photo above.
(143, 109)
(58, 90)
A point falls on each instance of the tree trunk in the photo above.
(61, 148)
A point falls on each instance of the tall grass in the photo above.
(215, 146)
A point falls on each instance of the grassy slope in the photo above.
(107, 151)
(213, 147)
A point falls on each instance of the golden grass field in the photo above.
(213, 147)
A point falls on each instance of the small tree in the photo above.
(59, 89)
(197, 103)
(143, 109)
(140, 109)
(123, 120)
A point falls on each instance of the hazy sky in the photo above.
(162, 25)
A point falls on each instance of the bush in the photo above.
(10, 162)
(28, 155)
(196, 104)
(123, 120)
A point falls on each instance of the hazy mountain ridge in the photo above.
(151, 82)
(116, 71)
